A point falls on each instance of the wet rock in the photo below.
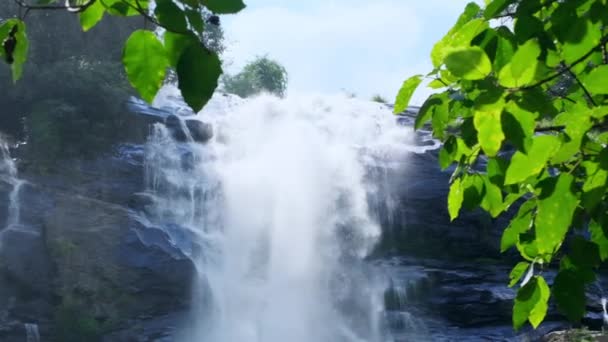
(149, 329)
(575, 335)
(200, 131)
(176, 127)
(106, 262)
(25, 258)
(141, 201)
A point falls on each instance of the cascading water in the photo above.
(8, 174)
(274, 212)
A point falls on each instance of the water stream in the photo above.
(8, 174)
(274, 210)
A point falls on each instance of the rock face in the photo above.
(184, 130)
(81, 265)
(201, 132)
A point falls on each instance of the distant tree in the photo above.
(378, 98)
(261, 75)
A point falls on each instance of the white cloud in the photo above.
(366, 47)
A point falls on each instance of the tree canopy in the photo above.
(261, 75)
(187, 46)
(521, 106)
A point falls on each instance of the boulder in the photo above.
(181, 130)
(141, 202)
(200, 132)
(176, 127)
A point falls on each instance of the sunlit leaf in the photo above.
(521, 223)
(595, 82)
(555, 210)
(523, 165)
(15, 45)
(92, 15)
(489, 128)
(470, 63)
(405, 93)
(145, 61)
(455, 198)
(518, 272)
(531, 303)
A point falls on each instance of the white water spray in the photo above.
(32, 334)
(276, 205)
(8, 174)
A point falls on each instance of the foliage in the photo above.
(379, 98)
(521, 110)
(145, 56)
(69, 102)
(261, 75)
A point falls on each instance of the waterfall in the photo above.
(8, 174)
(274, 211)
(31, 332)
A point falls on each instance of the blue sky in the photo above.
(362, 46)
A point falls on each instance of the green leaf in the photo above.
(600, 237)
(523, 58)
(441, 116)
(198, 71)
(176, 43)
(196, 20)
(518, 271)
(518, 225)
(470, 63)
(405, 93)
(19, 45)
(569, 292)
(556, 208)
(492, 199)
(489, 130)
(496, 169)
(519, 126)
(584, 254)
(521, 71)
(473, 191)
(426, 112)
(531, 303)
(452, 150)
(464, 37)
(92, 15)
(582, 36)
(437, 84)
(595, 82)
(577, 121)
(145, 61)
(505, 49)
(496, 7)
(125, 7)
(594, 186)
(224, 6)
(170, 16)
(455, 198)
(523, 165)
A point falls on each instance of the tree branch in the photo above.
(566, 68)
(580, 84)
(76, 8)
